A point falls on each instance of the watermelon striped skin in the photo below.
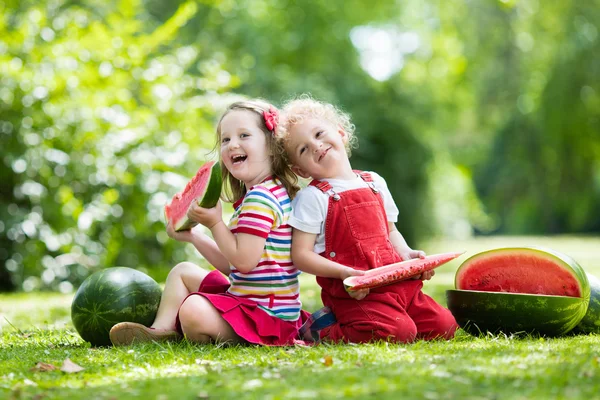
(480, 312)
(204, 188)
(400, 271)
(591, 321)
(111, 296)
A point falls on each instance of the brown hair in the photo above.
(234, 189)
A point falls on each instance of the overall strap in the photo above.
(323, 186)
(365, 176)
(326, 188)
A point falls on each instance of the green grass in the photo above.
(37, 327)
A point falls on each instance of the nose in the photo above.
(233, 144)
(316, 145)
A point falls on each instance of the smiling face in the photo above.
(317, 149)
(244, 149)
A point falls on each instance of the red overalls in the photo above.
(357, 235)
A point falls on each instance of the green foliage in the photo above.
(542, 174)
(482, 116)
(101, 122)
(281, 49)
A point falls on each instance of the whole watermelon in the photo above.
(111, 296)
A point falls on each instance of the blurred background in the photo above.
(483, 116)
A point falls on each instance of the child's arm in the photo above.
(404, 250)
(205, 246)
(401, 246)
(306, 260)
(242, 250)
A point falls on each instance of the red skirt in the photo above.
(249, 321)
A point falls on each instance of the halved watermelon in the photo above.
(519, 289)
(523, 270)
(204, 188)
(397, 272)
(481, 312)
(591, 321)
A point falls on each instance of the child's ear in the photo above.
(299, 171)
(342, 132)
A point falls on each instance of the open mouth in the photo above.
(323, 154)
(238, 159)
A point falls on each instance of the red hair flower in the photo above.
(271, 119)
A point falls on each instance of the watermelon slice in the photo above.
(397, 272)
(204, 188)
(519, 289)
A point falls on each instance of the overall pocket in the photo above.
(365, 220)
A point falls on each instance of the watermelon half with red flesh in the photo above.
(519, 290)
(204, 188)
(397, 272)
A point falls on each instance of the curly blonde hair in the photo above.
(234, 189)
(305, 107)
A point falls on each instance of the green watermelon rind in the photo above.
(209, 200)
(92, 313)
(478, 312)
(590, 323)
(562, 259)
(549, 315)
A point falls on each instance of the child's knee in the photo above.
(395, 331)
(445, 326)
(449, 325)
(191, 313)
(403, 331)
(182, 268)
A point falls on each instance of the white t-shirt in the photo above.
(309, 207)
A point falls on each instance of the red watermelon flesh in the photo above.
(204, 187)
(521, 270)
(400, 271)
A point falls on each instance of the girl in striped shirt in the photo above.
(259, 303)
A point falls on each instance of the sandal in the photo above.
(310, 331)
(126, 333)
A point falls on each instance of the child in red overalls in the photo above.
(343, 225)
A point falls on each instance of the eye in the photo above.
(319, 133)
(302, 149)
(225, 140)
(244, 134)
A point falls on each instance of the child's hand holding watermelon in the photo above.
(411, 254)
(357, 294)
(181, 236)
(209, 217)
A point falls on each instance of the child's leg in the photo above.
(183, 279)
(202, 323)
(432, 320)
(377, 317)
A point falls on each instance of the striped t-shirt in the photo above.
(273, 284)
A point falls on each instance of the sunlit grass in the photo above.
(37, 328)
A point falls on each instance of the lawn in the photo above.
(36, 328)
